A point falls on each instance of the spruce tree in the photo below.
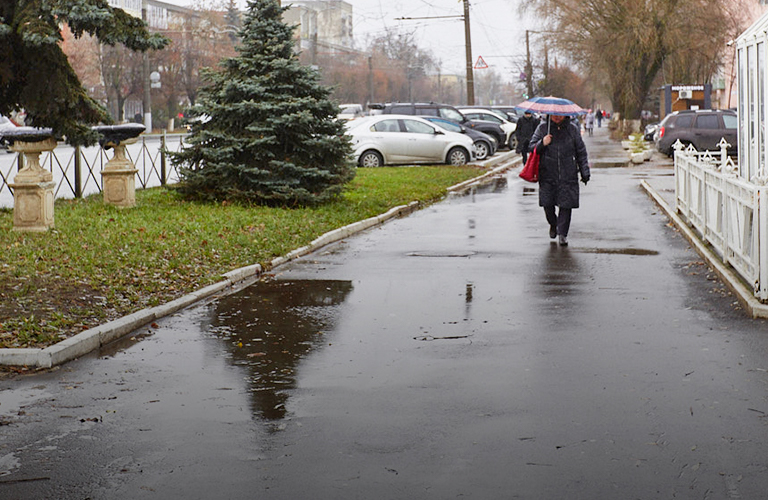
(265, 130)
(35, 75)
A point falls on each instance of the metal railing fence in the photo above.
(77, 170)
(726, 210)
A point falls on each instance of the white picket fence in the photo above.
(726, 210)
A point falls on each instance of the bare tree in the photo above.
(121, 71)
(626, 43)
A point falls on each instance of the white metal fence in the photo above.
(726, 210)
(77, 171)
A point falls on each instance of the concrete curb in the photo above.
(90, 340)
(748, 301)
(503, 164)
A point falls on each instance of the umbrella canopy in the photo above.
(551, 106)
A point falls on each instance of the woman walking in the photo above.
(563, 159)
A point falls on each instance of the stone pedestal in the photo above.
(119, 174)
(119, 178)
(33, 188)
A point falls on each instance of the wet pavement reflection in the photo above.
(270, 326)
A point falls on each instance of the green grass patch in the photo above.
(101, 262)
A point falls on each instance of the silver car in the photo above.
(404, 139)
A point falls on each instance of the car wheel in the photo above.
(482, 150)
(512, 143)
(458, 157)
(371, 159)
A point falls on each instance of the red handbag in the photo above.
(530, 171)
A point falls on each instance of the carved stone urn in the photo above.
(32, 186)
(119, 174)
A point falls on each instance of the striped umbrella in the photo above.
(551, 106)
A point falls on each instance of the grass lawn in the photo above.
(101, 262)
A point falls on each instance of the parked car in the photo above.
(487, 115)
(350, 112)
(444, 111)
(650, 130)
(702, 128)
(403, 139)
(485, 145)
(511, 112)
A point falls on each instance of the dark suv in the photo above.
(702, 128)
(443, 111)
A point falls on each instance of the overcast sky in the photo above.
(498, 32)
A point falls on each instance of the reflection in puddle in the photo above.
(440, 254)
(494, 185)
(270, 326)
(620, 251)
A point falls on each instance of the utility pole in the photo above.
(147, 101)
(528, 68)
(468, 43)
(370, 79)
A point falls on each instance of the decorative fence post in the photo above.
(761, 287)
(33, 185)
(163, 178)
(78, 167)
(761, 182)
(119, 174)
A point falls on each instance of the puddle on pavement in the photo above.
(270, 326)
(495, 185)
(440, 254)
(617, 251)
(8, 464)
(12, 401)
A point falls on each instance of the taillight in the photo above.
(661, 132)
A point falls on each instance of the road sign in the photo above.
(481, 64)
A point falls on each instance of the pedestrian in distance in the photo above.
(526, 126)
(589, 122)
(563, 159)
(599, 116)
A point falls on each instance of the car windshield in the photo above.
(498, 114)
(447, 125)
(451, 114)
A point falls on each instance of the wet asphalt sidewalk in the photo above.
(454, 353)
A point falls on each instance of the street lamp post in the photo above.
(147, 100)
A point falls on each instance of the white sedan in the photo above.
(403, 139)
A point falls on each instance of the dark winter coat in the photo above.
(524, 131)
(560, 164)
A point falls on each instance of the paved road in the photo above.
(455, 353)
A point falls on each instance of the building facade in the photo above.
(322, 26)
